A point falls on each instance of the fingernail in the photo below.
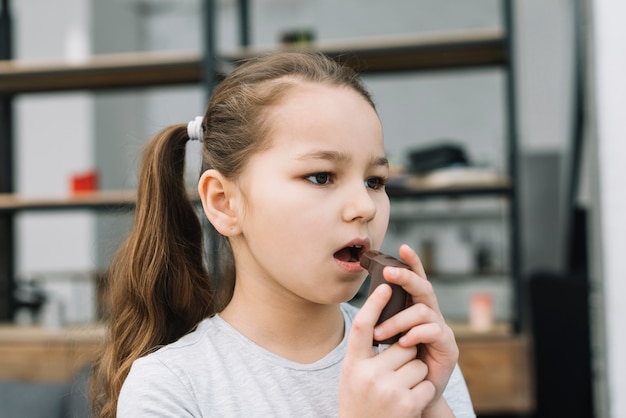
(408, 247)
(393, 271)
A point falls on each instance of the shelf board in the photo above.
(98, 200)
(373, 55)
(101, 72)
(429, 51)
(502, 188)
(125, 199)
(11, 334)
(86, 200)
(463, 331)
(446, 216)
(443, 278)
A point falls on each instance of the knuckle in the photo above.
(422, 309)
(428, 287)
(359, 324)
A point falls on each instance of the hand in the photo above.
(392, 383)
(422, 323)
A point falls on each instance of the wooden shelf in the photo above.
(494, 189)
(36, 334)
(98, 200)
(133, 70)
(430, 51)
(34, 354)
(86, 200)
(101, 72)
(453, 181)
(125, 199)
(463, 331)
(496, 365)
(499, 373)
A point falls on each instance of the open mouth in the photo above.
(351, 254)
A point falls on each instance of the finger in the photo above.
(418, 287)
(410, 257)
(425, 307)
(422, 394)
(416, 399)
(362, 332)
(406, 320)
(439, 337)
(396, 356)
(411, 373)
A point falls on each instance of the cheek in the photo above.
(382, 218)
(277, 214)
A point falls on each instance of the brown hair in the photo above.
(159, 284)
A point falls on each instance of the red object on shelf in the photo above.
(85, 182)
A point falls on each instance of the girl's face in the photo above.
(315, 199)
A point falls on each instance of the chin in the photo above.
(349, 294)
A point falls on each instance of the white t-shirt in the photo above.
(215, 371)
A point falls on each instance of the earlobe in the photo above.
(216, 193)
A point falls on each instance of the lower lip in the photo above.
(350, 267)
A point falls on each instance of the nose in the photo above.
(359, 204)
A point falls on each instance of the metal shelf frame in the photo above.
(425, 52)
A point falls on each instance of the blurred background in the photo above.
(500, 122)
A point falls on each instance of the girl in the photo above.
(293, 182)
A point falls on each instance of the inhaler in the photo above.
(374, 262)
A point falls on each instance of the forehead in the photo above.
(323, 112)
(301, 93)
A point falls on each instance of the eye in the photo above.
(321, 179)
(375, 182)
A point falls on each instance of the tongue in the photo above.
(345, 254)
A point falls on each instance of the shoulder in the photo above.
(160, 380)
(152, 388)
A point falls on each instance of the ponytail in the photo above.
(159, 288)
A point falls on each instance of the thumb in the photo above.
(362, 333)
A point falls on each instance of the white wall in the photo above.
(53, 143)
(608, 203)
(53, 137)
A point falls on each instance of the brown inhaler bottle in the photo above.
(374, 262)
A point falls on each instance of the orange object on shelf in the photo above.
(481, 312)
(85, 182)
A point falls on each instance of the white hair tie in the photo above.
(194, 129)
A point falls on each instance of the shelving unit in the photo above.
(393, 54)
(398, 53)
(413, 52)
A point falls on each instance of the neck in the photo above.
(297, 330)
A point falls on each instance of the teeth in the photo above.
(354, 252)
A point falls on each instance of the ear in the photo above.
(219, 200)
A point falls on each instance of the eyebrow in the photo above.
(339, 157)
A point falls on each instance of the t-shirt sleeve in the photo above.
(457, 395)
(151, 389)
